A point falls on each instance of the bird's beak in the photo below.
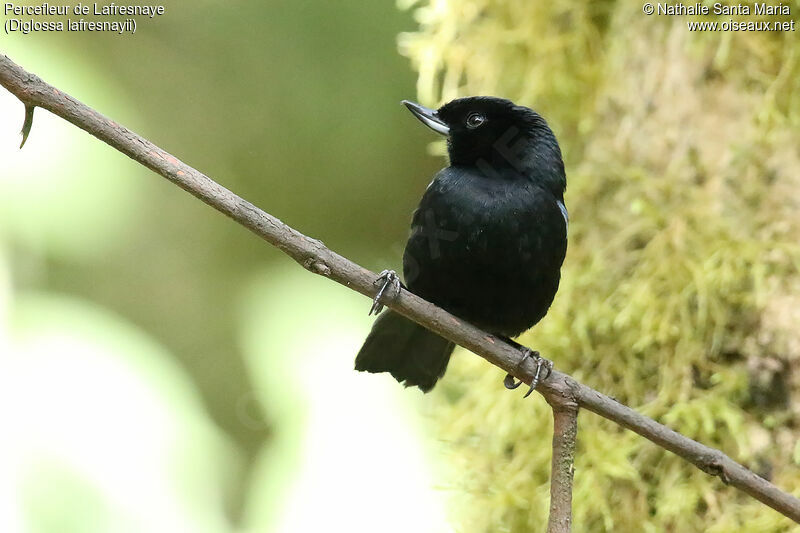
(428, 117)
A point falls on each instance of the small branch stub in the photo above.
(317, 267)
(26, 126)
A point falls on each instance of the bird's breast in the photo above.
(488, 254)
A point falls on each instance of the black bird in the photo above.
(487, 240)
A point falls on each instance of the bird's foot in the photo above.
(387, 278)
(540, 363)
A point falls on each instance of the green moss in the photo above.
(680, 289)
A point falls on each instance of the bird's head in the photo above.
(498, 137)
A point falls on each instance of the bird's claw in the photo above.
(510, 383)
(389, 279)
(540, 363)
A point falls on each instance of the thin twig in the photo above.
(565, 434)
(315, 257)
(26, 125)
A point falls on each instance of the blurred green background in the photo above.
(161, 369)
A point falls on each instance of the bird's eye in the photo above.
(474, 120)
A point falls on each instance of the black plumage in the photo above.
(487, 240)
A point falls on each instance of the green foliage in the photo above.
(680, 292)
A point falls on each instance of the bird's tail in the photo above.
(411, 353)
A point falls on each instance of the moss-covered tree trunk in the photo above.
(680, 292)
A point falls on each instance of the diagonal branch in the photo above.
(315, 257)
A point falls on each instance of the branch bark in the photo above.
(565, 434)
(315, 257)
